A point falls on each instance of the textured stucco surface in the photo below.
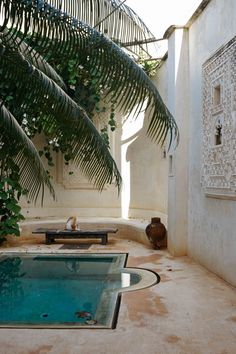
(211, 222)
(144, 180)
(191, 311)
(202, 227)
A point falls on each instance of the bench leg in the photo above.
(49, 240)
(104, 239)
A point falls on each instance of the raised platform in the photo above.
(131, 229)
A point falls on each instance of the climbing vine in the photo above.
(10, 193)
(148, 65)
(83, 87)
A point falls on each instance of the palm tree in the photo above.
(110, 17)
(34, 34)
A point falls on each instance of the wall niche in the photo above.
(218, 177)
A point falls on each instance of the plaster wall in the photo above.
(75, 195)
(144, 169)
(211, 221)
(144, 173)
(178, 104)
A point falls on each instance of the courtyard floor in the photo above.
(191, 311)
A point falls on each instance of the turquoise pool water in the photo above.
(61, 290)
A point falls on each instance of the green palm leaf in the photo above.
(110, 17)
(31, 55)
(62, 114)
(27, 159)
(125, 81)
(41, 64)
(52, 35)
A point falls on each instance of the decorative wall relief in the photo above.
(219, 123)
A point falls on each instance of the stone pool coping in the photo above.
(148, 278)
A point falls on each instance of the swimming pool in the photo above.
(65, 290)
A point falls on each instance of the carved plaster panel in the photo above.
(219, 123)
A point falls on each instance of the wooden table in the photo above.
(52, 234)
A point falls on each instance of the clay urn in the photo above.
(156, 232)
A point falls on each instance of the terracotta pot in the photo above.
(156, 232)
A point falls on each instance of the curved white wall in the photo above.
(144, 170)
(144, 173)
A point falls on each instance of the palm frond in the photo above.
(111, 17)
(32, 173)
(124, 80)
(32, 56)
(62, 114)
(41, 64)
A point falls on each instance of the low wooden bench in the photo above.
(52, 234)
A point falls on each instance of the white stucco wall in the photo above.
(74, 194)
(211, 222)
(144, 173)
(144, 169)
(178, 104)
(200, 226)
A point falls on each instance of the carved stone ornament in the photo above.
(219, 123)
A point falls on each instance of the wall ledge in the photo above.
(132, 229)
